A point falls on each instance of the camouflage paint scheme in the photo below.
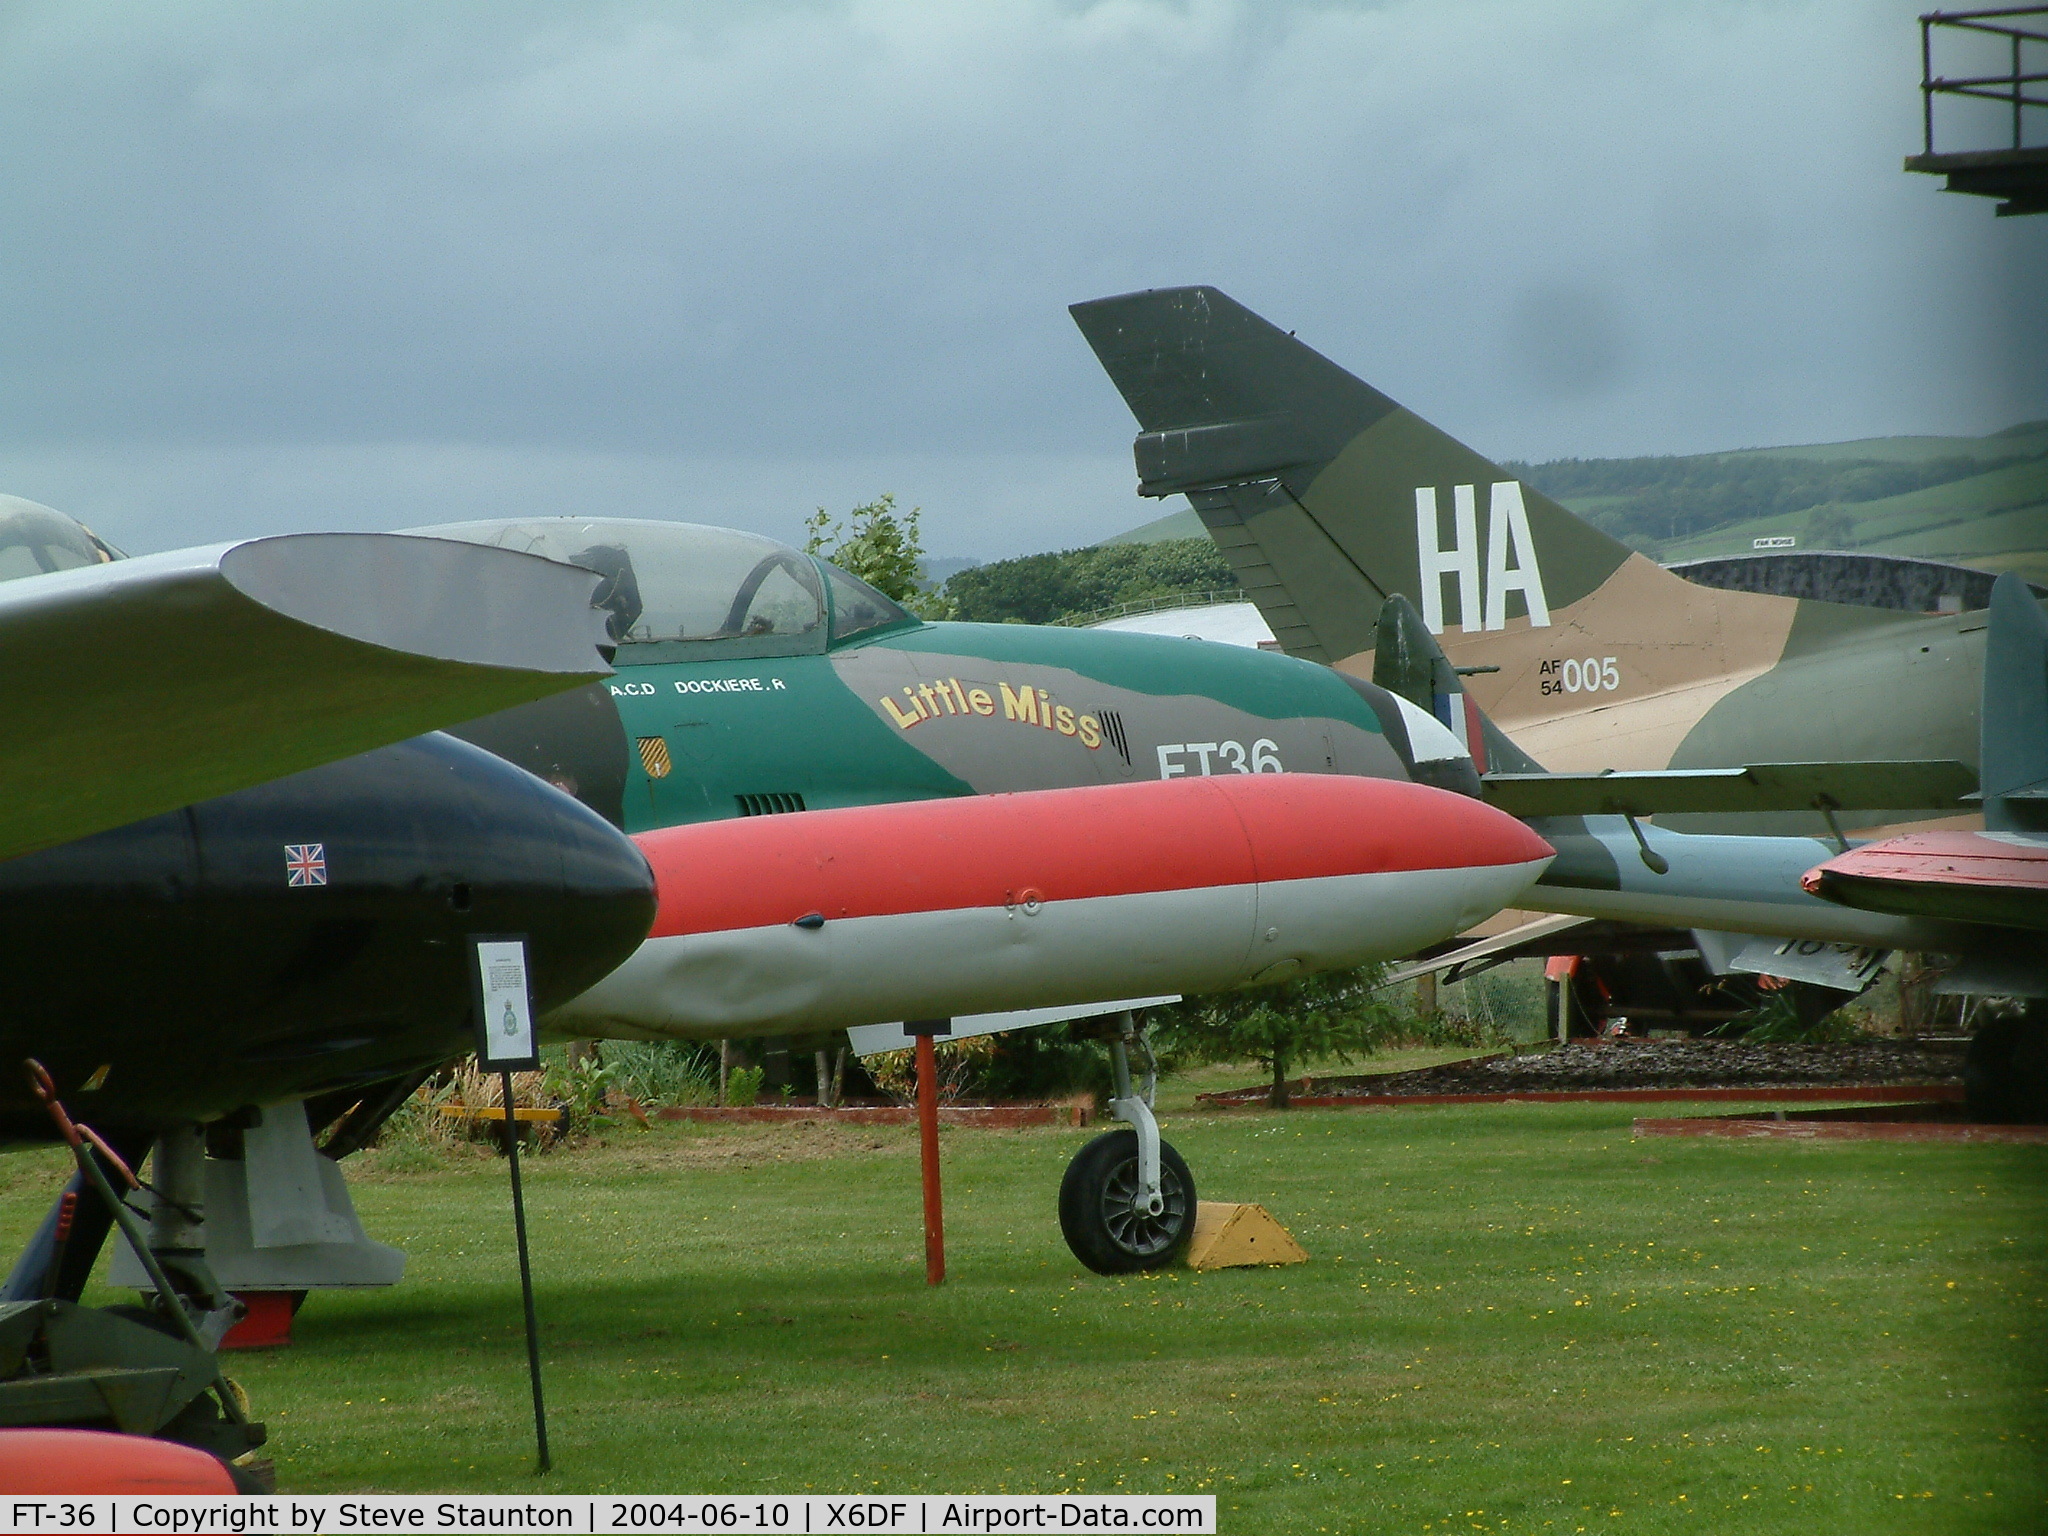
(1326, 496)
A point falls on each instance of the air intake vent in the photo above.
(1113, 731)
(768, 805)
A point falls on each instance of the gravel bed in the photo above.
(1662, 1064)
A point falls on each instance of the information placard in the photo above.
(504, 1004)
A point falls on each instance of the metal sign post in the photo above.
(928, 1143)
(506, 1044)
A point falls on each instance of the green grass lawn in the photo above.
(1516, 1318)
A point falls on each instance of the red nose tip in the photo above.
(1311, 824)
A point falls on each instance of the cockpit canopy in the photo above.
(35, 540)
(687, 591)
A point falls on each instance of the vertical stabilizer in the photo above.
(2014, 768)
(1328, 498)
(1326, 495)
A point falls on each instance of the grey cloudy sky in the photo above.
(362, 265)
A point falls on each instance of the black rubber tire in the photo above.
(1097, 1207)
(1989, 1091)
(2005, 1070)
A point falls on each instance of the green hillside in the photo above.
(1979, 501)
(2025, 440)
(1175, 525)
(1997, 521)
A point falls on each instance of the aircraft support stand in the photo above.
(928, 1144)
(177, 1231)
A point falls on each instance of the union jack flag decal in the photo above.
(305, 863)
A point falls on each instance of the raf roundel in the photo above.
(305, 864)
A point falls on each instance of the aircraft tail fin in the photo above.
(2014, 764)
(1327, 496)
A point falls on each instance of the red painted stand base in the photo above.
(269, 1323)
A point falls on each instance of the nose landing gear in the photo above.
(1127, 1202)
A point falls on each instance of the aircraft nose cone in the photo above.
(1465, 860)
(1313, 823)
(608, 902)
(535, 862)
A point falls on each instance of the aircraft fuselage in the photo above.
(300, 937)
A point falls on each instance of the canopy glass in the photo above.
(685, 591)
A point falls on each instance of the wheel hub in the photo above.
(1132, 1224)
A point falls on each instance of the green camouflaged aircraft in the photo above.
(755, 679)
(1328, 497)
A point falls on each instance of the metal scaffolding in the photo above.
(2018, 174)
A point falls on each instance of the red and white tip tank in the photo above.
(942, 908)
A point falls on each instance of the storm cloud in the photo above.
(372, 265)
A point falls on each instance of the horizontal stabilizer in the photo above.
(1969, 877)
(1934, 785)
(1505, 946)
(868, 1039)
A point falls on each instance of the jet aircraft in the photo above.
(172, 964)
(1327, 497)
(1997, 877)
(765, 635)
(1967, 898)
(756, 681)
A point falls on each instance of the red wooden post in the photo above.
(928, 1148)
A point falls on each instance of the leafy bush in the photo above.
(742, 1086)
(663, 1071)
(579, 1086)
(960, 1066)
(879, 545)
(1038, 589)
(1047, 1064)
(1335, 1014)
(1778, 1022)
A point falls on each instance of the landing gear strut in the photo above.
(1127, 1202)
(147, 1370)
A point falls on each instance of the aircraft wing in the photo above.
(1536, 937)
(1972, 877)
(146, 684)
(871, 1039)
(1933, 785)
(2000, 875)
